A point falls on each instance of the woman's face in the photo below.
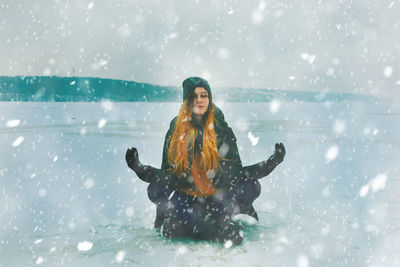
(200, 101)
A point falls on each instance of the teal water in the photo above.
(92, 89)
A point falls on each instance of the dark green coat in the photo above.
(229, 167)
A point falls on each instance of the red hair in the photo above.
(181, 143)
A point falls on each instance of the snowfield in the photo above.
(67, 197)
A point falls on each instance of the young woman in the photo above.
(202, 183)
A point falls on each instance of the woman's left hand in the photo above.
(279, 154)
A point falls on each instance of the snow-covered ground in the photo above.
(67, 197)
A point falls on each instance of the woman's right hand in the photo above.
(145, 173)
(132, 158)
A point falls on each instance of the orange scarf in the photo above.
(203, 184)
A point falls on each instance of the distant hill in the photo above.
(61, 89)
(90, 89)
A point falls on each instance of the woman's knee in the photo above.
(156, 191)
(252, 187)
(256, 188)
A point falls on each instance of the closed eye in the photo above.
(202, 95)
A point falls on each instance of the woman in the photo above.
(201, 183)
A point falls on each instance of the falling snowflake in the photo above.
(228, 244)
(223, 53)
(387, 71)
(339, 126)
(13, 123)
(253, 139)
(308, 57)
(39, 260)
(120, 256)
(89, 183)
(331, 153)
(375, 184)
(129, 211)
(302, 261)
(85, 246)
(42, 192)
(274, 106)
(102, 123)
(18, 141)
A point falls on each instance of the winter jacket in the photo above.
(229, 171)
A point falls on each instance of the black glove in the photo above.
(279, 154)
(132, 159)
(144, 172)
(263, 168)
(150, 174)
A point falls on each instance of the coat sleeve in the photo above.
(232, 156)
(231, 165)
(164, 163)
(239, 173)
(259, 170)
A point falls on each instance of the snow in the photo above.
(39, 260)
(302, 261)
(18, 141)
(181, 250)
(339, 126)
(47, 72)
(42, 192)
(257, 16)
(71, 225)
(387, 71)
(245, 219)
(13, 123)
(102, 123)
(375, 184)
(107, 105)
(88, 208)
(253, 139)
(124, 30)
(223, 53)
(89, 183)
(120, 256)
(85, 246)
(308, 57)
(326, 192)
(90, 6)
(274, 106)
(228, 244)
(130, 211)
(379, 182)
(331, 153)
(171, 195)
(102, 63)
(364, 190)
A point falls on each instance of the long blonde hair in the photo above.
(182, 141)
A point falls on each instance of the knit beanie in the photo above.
(191, 83)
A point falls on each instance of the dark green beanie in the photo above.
(191, 83)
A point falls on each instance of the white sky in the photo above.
(336, 46)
